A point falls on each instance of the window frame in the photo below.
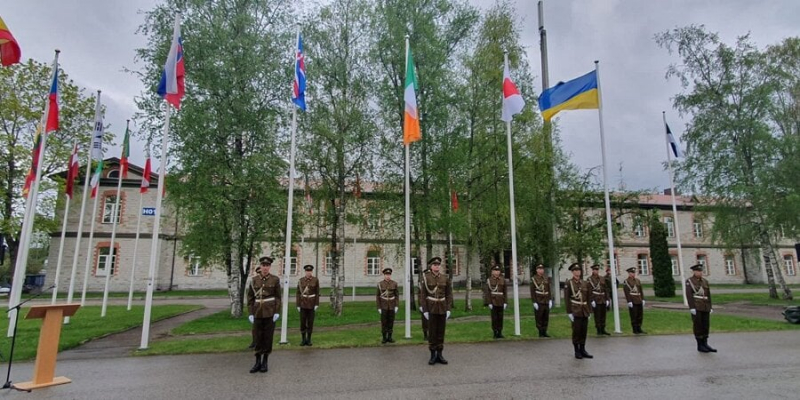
(102, 259)
(111, 204)
(790, 264)
(643, 270)
(373, 262)
(670, 225)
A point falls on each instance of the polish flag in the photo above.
(512, 101)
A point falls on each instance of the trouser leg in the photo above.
(436, 328)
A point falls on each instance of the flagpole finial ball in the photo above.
(98, 92)
(597, 61)
(408, 36)
(58, 51)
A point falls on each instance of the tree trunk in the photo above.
(772, 267)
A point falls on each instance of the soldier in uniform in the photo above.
(635, 298)
(436, 299)
(387, 301)
(698, 295)
(601, 300)
(307, 302)
(542, 302)
(494, 296)
(264, 303)
(576, 297)
(249, 280)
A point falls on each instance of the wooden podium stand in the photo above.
(45, 366)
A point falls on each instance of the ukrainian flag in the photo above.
(579, 93)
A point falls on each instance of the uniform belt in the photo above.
(497, 292)
(578, 302)
(265, 300)
(309, 295)
(435, 299)
(701, 297)
(538, 292)
(593, 292)
(387, 298)
(635, 294)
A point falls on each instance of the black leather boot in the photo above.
(541, 333)
(308, 339)
(603, 332)
(544, 333)
(700, 346)
(252, 345)
(389, 337)
(641, 332)
(303, 343)
(264, 367)
(584, 353)
(599, 331)
(433, 358)
(494, 333)
(500, 334)
(439, 358)
(578, 353)
(257, 365)
(709, 348)
(383, 338)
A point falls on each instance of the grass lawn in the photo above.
(156, 295)
(752, 298)
(85, 325)
(460, 329)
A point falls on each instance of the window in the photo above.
(195, 267)
(328, 262)
(638, 229)
(702, 260)
(674, 261)
(105, 261)
(698, 229)
(616, 263)
(293, 262)
(644, 267)
(788, 263)
(668, 221)
(113, 174)
(373, 262)
(415, 263)
(373, 219)
(730, 266)
(109, 214)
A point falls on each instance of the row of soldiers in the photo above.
(583, 299)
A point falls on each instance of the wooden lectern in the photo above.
(45, 366)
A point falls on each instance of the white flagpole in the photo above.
(407, 266)
(63, 235)
(287, 259)
(135, 250)
(151, 275)
(115, 216)
(675, 214)
(513, 222)
(89, 251)
(28, 220)
(609, 231)
(83, 211)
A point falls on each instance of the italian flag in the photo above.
(411, 131)
(126, 152)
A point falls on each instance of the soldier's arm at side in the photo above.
(251, 298)
(422, 303)
(567, 297)
(378, 295)
(627, 292)
(688, 294)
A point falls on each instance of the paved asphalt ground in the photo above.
(748, 366)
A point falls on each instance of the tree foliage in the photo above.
(663, 283)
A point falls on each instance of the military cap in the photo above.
(540, 266)
(387, 271)
(696, 267)
(631, 269)
(496, 268)
(308, 267)
(595, 267)
(435, 260)
(575, 267)
(266, 260)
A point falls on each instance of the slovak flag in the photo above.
(171, 87)
(673, 144)
(513, 103)
(299, 84)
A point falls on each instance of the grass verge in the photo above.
(761, 299)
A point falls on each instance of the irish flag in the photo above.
(96, 178)
(513, 103)
(411, 131)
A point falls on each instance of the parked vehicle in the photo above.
(792, 314)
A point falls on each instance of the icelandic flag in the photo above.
(299, 84)
(673, 144)
(171, 87)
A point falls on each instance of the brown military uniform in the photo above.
(419, 301)
(599, 295)
(387, 299)
(540, 294)
(699, 298)
(436, 298)
(307, 298)
(263, 302)
(576, 296)
(495, 294)
(635, 295)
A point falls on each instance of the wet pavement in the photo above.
(748, 366)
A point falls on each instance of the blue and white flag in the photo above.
(299, 84)
(673, 144)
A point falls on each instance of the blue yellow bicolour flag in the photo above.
(579, 93)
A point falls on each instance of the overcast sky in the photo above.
(98, 37)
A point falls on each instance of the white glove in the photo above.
(395, 310)
(275, 317)
(298, 309)
(448, 315)
(594, 305)
(420, 309)
(315, 308)
(711, 311)
(536, 306)
(491, 307)
(550, 304)
(505, 305)
(380, 311)
(571, 317)
(630, 305)
(693, 311)
(252, 319)
(426, 315)
(608, 303)
(643, 303)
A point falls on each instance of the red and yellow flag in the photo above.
(9, 48)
